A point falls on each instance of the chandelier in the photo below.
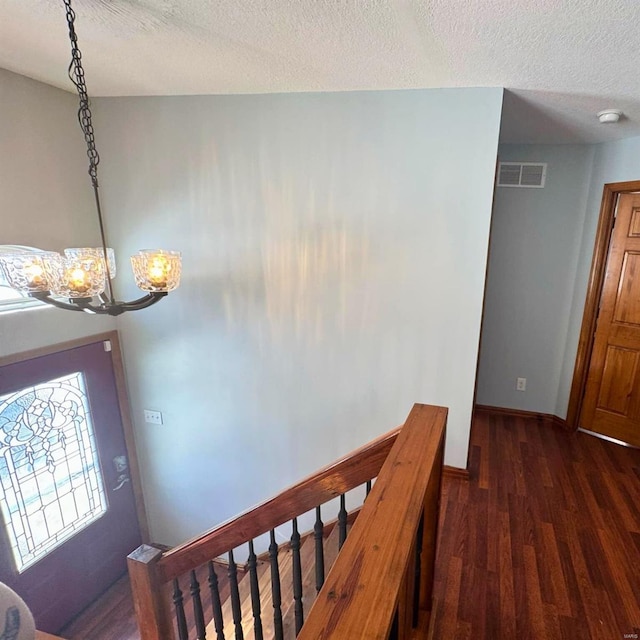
(83, 275)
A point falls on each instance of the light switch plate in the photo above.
(152, 417)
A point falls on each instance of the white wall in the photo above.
(613, 162)
(334, 259)
(535, 244)
(45, 199)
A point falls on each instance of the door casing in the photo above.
(610, 195)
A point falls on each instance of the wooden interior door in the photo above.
(611, 404)
(66, 498)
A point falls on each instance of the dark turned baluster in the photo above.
(216, 605)
(368, 486)
(318, 531)
(342, 522)
(393, 634)
(235, 597)
(255, 592)
(198, 614)
(275, 587)
(418, 573)
(178, 601)
(297, 576)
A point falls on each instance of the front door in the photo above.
(66, 499)
(611, 404)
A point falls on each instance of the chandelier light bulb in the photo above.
(79, 276)
(35, 275)
(78, 280)
(158, 272)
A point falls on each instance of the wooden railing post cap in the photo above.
(145, 554)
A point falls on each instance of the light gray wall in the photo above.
(41, 327)
(613, 162)
(334, 262)
(535, 244)
(45, 194)
(45, 199)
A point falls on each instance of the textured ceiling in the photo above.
(561, 60)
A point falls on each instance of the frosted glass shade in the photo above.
(81, 275)
(30, 272)
(94, 254)
(157, 270)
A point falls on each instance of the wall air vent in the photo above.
(522, 174)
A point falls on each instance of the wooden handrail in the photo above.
(343, 475)
(373, 577)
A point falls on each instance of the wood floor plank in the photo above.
(536, 621)
(492, 627)
(553, 565)
(571, 581)
(450, 594)
(505, 580)
(551, 621)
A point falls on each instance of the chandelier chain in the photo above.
(76, 75)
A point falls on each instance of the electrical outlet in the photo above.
(153, 417)
(521, 384)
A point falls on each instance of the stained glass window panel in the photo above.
(50, 482)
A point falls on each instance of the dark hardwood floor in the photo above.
(542, 543)
(112, 617)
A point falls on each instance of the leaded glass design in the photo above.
(51, 486)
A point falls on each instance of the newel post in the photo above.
(149, 594)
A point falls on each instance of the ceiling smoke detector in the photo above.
(609, 116)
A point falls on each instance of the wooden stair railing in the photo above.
(407, 463)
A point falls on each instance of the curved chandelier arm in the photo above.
(140, 303)
(105, 308)
(45, 296)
